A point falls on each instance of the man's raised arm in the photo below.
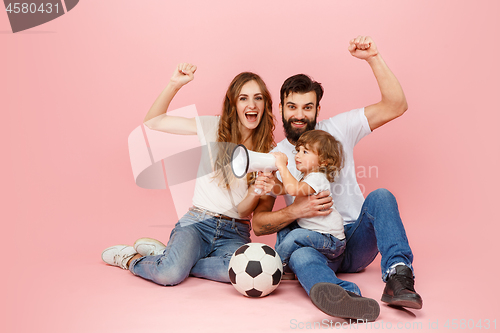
(393, 102)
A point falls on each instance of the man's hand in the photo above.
(363, 47)
(183, 74)
(266, 222)
(313, 205)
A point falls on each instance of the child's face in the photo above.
(306, 160)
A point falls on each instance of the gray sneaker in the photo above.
(118, 255)
(149, 246)
(335, 301)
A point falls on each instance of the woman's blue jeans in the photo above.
(378, 229)
(200, 245)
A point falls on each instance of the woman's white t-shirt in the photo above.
(207, 193)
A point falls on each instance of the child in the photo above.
(319, 158)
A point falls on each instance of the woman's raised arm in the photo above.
(157, 119)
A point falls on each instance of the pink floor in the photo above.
(74, 291)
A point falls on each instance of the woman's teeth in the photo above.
(251, 116)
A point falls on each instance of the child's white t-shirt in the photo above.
(333, 223)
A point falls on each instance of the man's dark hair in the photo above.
(302, 84)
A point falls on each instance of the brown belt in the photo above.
(219, 216)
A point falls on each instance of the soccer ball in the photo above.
(255, 269)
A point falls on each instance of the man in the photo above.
(372, 225)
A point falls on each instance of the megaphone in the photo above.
(244, 161)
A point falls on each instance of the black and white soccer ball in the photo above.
(255, 269)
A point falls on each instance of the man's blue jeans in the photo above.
(378, 229)
(200, 245)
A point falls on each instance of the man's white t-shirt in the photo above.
(348, 127)
(332, 223)
(207, 193)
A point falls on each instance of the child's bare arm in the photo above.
(291, 185)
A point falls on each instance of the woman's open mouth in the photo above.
(251, 116)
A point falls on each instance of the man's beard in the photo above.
(293, 134)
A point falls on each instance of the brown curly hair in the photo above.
(329, 150)
(262, 136)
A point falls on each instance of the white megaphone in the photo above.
(244, 161)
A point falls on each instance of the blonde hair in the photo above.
(329, 150)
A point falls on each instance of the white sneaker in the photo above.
(118, 255)
(149, 246)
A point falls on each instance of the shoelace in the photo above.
(121, 261)
(405, 281)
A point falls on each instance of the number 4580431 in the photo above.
(25, 8)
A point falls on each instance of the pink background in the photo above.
(73, 89)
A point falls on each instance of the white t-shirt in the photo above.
(207, 193)
(348, 127)
(332, 223)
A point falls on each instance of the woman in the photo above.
(203, 241)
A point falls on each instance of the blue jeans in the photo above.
(202, 247)
(378, 229)
(296, 237)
